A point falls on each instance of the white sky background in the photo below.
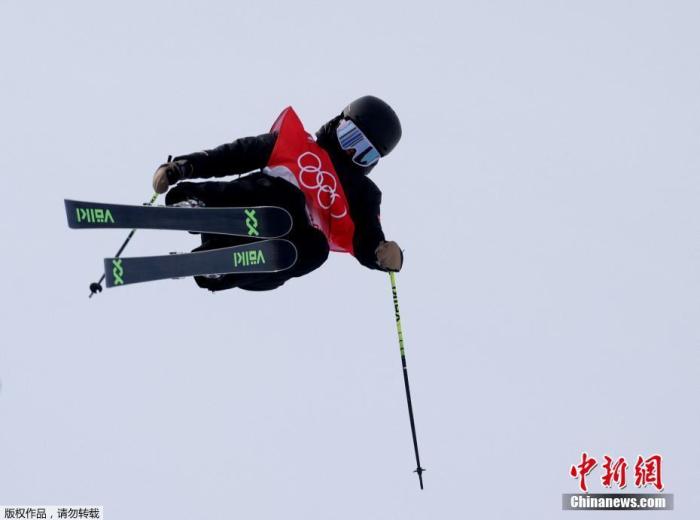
(546, 194)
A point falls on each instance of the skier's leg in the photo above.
(312, 249)
(312, 246)
(312, 252)
(213, 194)
(256, 189)
(210, 193)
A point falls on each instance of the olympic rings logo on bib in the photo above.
(326, 184)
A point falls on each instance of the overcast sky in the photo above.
(545, 192)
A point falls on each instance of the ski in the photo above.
(265, 256)
(258, 222)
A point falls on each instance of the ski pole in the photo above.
(96, 287)
(418, 469)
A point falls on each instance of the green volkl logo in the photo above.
(117, 271)
(252, 222)
(94, 215)
(246, 258)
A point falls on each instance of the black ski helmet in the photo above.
(377, 120)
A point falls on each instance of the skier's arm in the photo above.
(369, 243)
(240, 156)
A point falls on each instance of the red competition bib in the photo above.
(297, 158)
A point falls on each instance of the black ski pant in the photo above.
(256, 189)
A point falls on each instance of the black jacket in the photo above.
(253, 153)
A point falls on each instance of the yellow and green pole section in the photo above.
(418, 469)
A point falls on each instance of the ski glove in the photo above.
(389, 256)
(170, 173)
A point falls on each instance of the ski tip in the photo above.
(70, 206)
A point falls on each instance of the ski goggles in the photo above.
(351, 138)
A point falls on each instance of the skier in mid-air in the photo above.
(304, 198)
(322, 183)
